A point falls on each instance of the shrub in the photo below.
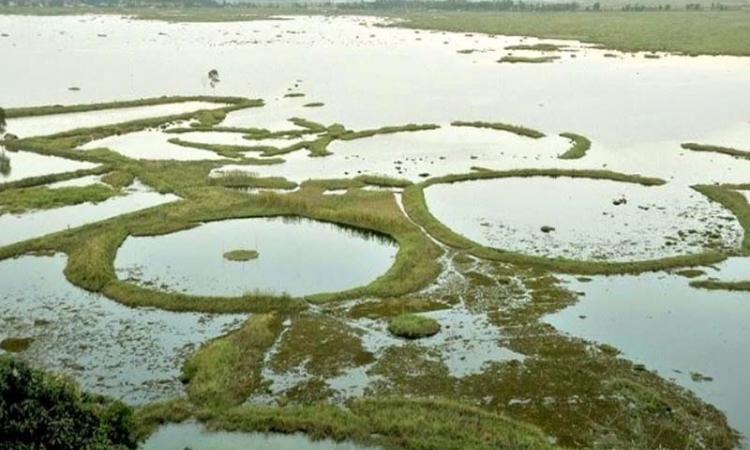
(412, 326)
(41, 411)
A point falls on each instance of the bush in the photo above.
(42, 411)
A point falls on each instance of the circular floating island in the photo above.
(241, 255)
(602, 219)
(413, 326)
(300, 257)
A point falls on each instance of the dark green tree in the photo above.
(42, 411)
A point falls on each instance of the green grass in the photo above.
(413, 326)
(37, 198)
(241, 255)
(314, 105)
(13, 113)
(734, 202)
(708, 33)
(242, 179)
(351, 135)
(510, 59)
(515, 129)
(118, 179)
(226, 370)
(15, 344)
(580, 145)
(716, 149)
(541, 47)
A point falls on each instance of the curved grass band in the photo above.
(416, 207)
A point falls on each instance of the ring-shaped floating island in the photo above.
(416, 206)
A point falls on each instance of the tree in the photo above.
(2, 120)
(42, 411)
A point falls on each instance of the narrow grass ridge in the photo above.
(581, 145)
(515, 129)
(716, 149)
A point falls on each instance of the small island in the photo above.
(241, 255)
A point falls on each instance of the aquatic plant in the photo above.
(541, 47)
(717, 149)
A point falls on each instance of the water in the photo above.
(55, 123)
(654, 222)
(296, 256)
(27, 164)
(16, 228)
(192, 435)
(151, 145)
(134, 354)
(658, 320)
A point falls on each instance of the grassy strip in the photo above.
(383, 181)
(716, 285)
(403, 423)
(309, 124)
(241, 179)
(581, 144)
(416, 208)
(521, 131)
(32, 111)
(17, 201)
(510, 59)
(716, 149)
(225, 371)
(541, 47)
(351, 135)
(734, 202)
(226, 151)
(53, 178)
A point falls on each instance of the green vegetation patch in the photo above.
(510, 59)
(242, 179)
(580, 145)
(413, 326)
(241, 255)
(541, 47)
(118, 179)
(716, 149)
(227, 370)
(314, 105)
(515, 129)
(44, 411)
(16, 344)
(36, 198)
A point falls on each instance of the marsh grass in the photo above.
(118, 179)
(515, 129)
(541, 47)
(242, 179)
(510, 59)
(716, 149)
(580, 145)
(17, 201)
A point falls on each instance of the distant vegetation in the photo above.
(41, 411)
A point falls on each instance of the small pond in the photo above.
(20, 165)
(134, 354)
(295, 256)
(590, 219)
